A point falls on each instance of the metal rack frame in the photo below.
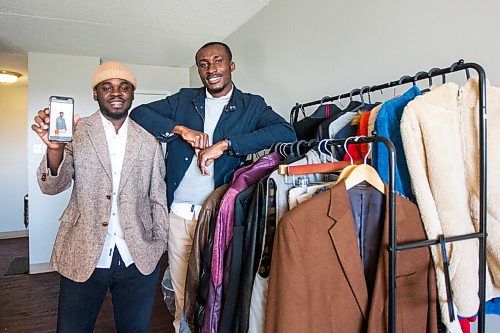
(393, 246)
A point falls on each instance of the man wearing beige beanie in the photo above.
(115, 227)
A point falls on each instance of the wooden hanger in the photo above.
(315, 168)
(346, 172)
(364, 173)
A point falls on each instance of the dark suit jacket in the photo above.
(317, 282)
(231, 292)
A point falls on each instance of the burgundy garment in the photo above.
(242, 179)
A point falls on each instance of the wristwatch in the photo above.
(230, 150)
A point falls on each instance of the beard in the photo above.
(114, 114)
(216, 90)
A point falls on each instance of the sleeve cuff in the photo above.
(47, 169)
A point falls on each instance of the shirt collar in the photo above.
(108, 125)
(225, 98)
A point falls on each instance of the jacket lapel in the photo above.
(132, 151)
(199, 105)
(342, 234)
(97, 137)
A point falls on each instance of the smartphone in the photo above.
(61, 118)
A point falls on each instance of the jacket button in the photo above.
(108, 197)
(186, 158)
(105, 224)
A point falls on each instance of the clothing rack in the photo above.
(393, 247)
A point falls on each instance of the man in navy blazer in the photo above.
(209, 131)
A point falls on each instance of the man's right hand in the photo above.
(196, 139)
(55, 150)
(41, 127)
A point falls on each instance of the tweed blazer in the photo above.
(317, 281)
(141, 199)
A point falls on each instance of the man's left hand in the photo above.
(207, 156)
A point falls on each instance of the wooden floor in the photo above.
(28, 303)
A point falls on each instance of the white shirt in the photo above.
(114, 234)
(195, 188)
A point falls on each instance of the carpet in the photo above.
(18, 266)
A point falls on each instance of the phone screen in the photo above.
(61, 119)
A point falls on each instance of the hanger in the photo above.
(294, 153)
(370, 90)
(357, 91)
(324, 99)
(282, 149)
(434, 70)
(416, 78)
(294, 113)
(338, 101)
(354, 105)
(430, 77)
(345, 172)
(407, 78)
(365, 173)
(348, 169)
(302, 110)
(460, 62)
(321, 110)
(277, 147)
(295, 170)
(369, 96)
(362, 91)
(327, 167)
(327, 106)
(401, 82)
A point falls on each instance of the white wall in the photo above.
(159, 79)
(194, 78)
(60, 75)
(13, 112)
(71, 76)
(298, 51)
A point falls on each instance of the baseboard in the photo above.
(14, 234)
(43, 267)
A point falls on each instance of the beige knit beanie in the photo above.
(113, 70)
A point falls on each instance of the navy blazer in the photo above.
(247, 121)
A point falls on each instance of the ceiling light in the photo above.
(8, 77)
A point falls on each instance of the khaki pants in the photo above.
(180, 240)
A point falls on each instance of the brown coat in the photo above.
(141, 199)
(317, 282)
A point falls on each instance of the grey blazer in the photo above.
(141, 199)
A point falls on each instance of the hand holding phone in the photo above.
(61, 112)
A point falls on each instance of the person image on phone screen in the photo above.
(61, 123)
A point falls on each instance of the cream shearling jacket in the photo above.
(141, 199)
(440, 138)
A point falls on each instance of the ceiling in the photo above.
(153, 32)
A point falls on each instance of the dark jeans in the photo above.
(132, 296)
